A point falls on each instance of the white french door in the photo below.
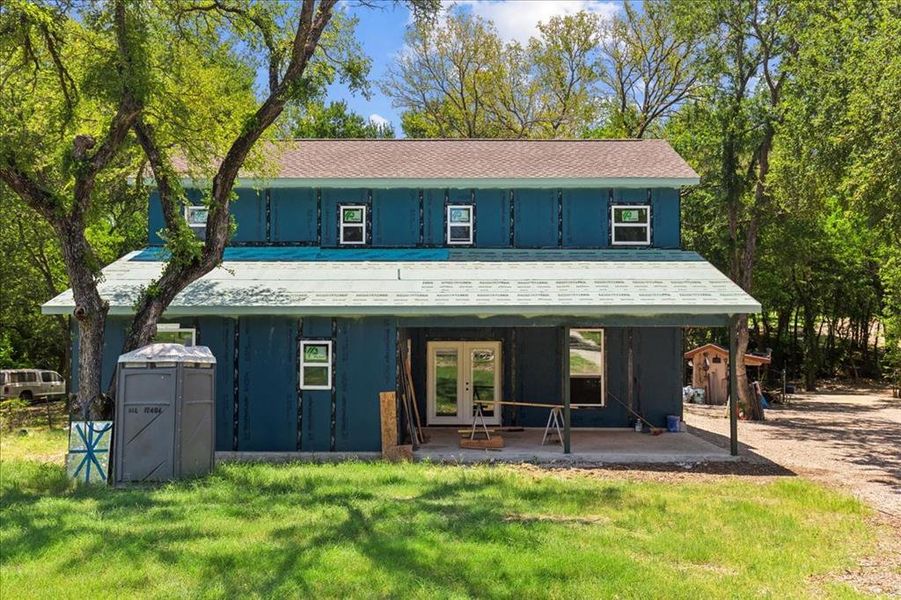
(460, 374)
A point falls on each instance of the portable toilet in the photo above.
(164, 422)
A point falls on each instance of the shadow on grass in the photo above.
(162, 524)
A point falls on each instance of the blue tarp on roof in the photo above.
(315, 253)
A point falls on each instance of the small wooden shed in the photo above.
(710, 370)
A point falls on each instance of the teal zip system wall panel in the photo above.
(294, 215)
(659, 373)
(408, 218)
(537, 373)
(155, 220)
(395, 218)
(433, 203)
(316, 417)
(330, 200)
(267, 381)
(492, 219)
(366, 351)
(218, 334)
(665, 218)
(535, 214)
(585, 221)
(249, 212)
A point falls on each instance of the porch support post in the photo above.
(564, 379)
(733, 384)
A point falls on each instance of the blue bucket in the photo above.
(672, 423)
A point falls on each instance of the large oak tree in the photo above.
(93, 92)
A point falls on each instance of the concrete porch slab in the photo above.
(589, 447)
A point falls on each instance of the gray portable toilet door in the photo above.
(147, 425)
(196, 434)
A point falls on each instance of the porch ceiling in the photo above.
(481, 283)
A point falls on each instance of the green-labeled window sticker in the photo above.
(352, 215)
(315, 353)
(629, 215)
(460, 215)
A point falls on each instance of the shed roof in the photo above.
(472, 283)
(462, 162)
(750, 359)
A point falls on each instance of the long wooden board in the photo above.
(536, 404)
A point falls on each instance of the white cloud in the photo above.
(518, 19)
(379, 120)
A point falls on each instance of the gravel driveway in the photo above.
(848, 438)
(844, 438)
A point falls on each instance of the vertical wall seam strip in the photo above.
(236, 399)
(560, 218)
(421, 218)
(319, 216)
(268, 193)
(512, 220)
(299, 441)
(334, 387)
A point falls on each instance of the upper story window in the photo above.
(631, 225)
(460, 223)
(196, 216)
(352, 224)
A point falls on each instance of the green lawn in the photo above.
(420, 531)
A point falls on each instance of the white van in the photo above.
(31, 384)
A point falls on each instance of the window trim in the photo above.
(189, 208)
(316, 342)
(362, 225)
(614, 225)
(177, 328)
(603, 374)
(471, 225)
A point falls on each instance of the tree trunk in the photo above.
(810, 350)
(90, 314)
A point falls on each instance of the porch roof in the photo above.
(434, 282)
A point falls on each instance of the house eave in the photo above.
(463, 182)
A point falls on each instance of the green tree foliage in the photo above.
(787, 110)
(334, 120)
(99, 93)
(459, 79)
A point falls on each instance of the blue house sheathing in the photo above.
(555, 242)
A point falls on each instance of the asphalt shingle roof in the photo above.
(475, 159)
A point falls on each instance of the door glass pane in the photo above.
(446, 383)
(484, 372)
(586, 366)
(585, 353)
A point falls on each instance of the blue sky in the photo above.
(381, 34)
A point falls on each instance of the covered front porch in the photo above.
(590, 447)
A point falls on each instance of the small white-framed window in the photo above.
(173, 333)
(587, 366)
(631, 225)
(352, 224)
(316, 364)
(196, 216)
(460, 224)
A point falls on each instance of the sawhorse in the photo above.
(555, 420)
